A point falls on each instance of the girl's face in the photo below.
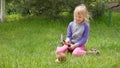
(79, 18)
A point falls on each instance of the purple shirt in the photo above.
(78, 34)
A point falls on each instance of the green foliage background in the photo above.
(53, 8)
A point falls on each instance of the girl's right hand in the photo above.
(65, 43)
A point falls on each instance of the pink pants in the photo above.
(78, 51)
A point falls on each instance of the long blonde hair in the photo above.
(82, 10)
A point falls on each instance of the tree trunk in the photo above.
(2, 10)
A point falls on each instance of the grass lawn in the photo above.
(31, 43)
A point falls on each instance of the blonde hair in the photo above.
(82, 10)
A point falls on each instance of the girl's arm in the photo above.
(69, 33)
(84, 38)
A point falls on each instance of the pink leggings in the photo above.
(78, 51)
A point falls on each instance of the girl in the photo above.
(77, 33)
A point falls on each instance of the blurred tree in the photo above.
(2, 15)
(52, 8)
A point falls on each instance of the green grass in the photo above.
(31, 43)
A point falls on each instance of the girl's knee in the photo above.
(79, 52)
(61, 49)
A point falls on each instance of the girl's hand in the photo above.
(65, 43)
(72, 47)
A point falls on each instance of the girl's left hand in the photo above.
(72, 47)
